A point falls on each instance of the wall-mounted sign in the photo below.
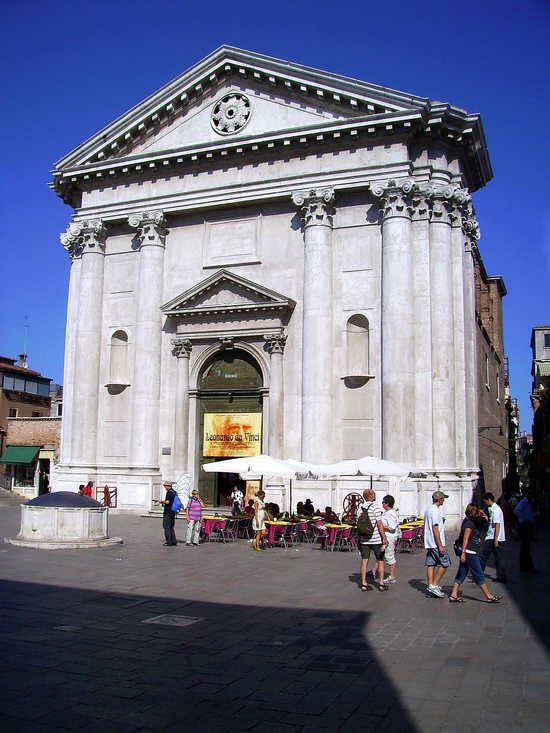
(232, 434)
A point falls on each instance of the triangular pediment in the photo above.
(256, 111)
(226, 292)
(282, 95)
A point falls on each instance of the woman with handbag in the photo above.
(467, 547)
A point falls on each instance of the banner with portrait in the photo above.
(232, 434)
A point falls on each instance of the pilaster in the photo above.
(182, 351)
(275, 345)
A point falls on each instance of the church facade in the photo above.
(271, 258)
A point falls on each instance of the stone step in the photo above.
(8, 498)
(224, 511)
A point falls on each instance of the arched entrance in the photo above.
(230, 423)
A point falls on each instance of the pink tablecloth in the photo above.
(272, 531)
(210, 524)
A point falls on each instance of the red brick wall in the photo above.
(34, 431)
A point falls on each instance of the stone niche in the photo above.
(64, 520)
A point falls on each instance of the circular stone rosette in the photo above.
(230, 114)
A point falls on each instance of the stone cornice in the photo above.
(337, 131)
(357, 131)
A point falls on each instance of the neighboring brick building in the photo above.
(31, 453)
(539, 469)
(492, 381)
(23, 393)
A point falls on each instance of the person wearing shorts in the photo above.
(376, 544)
(390, 520)
(437, 559)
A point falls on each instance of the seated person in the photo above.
(300, 511)
(309, 509)
(329, 515)
(274, 510)
(285, 517)
(249, 508)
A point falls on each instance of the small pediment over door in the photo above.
(230, 301)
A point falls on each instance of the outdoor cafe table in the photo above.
(210, 523)
(332, 529)
(272, 526)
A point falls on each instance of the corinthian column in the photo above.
(398, 425)
(151, 233)
(317, 211)
(84, 240)
(275, 345)
(182, 351)
(443, 356)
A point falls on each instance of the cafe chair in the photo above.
(229, 532)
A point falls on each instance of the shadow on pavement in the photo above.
(79, 659)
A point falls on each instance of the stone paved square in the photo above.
(286, 642)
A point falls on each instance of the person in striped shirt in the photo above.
(194, 517)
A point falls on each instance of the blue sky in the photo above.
(69, 68)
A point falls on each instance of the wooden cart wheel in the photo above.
(352, 502)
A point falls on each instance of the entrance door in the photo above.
(230, 419)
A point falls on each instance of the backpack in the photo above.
(365, 527)
(176, 504)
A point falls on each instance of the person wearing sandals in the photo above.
(468, 548)
(377, 543)
(390, 520)
(258, 522)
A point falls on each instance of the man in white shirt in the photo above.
(437, 559)
(494, 538)
(236, 501)
(390, 520)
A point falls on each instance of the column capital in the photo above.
(316, 205)
(394, 197)
(275, 343)
(181, 348)
(151, 227)
(84, 236)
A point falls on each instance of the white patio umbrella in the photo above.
(262, 465)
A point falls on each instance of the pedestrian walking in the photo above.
(468, 547)
(168, 516)
(390, 520)
(496, 535)
(372, 538)
(437, 559)
(236, 501)
(526, 528)
(194, 519)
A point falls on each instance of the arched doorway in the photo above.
(230, 418)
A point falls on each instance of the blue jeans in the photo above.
(472, 565)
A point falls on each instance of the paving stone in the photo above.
(288, 657)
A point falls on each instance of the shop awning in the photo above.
(19, 454)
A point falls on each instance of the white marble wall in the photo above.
(402, 268)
